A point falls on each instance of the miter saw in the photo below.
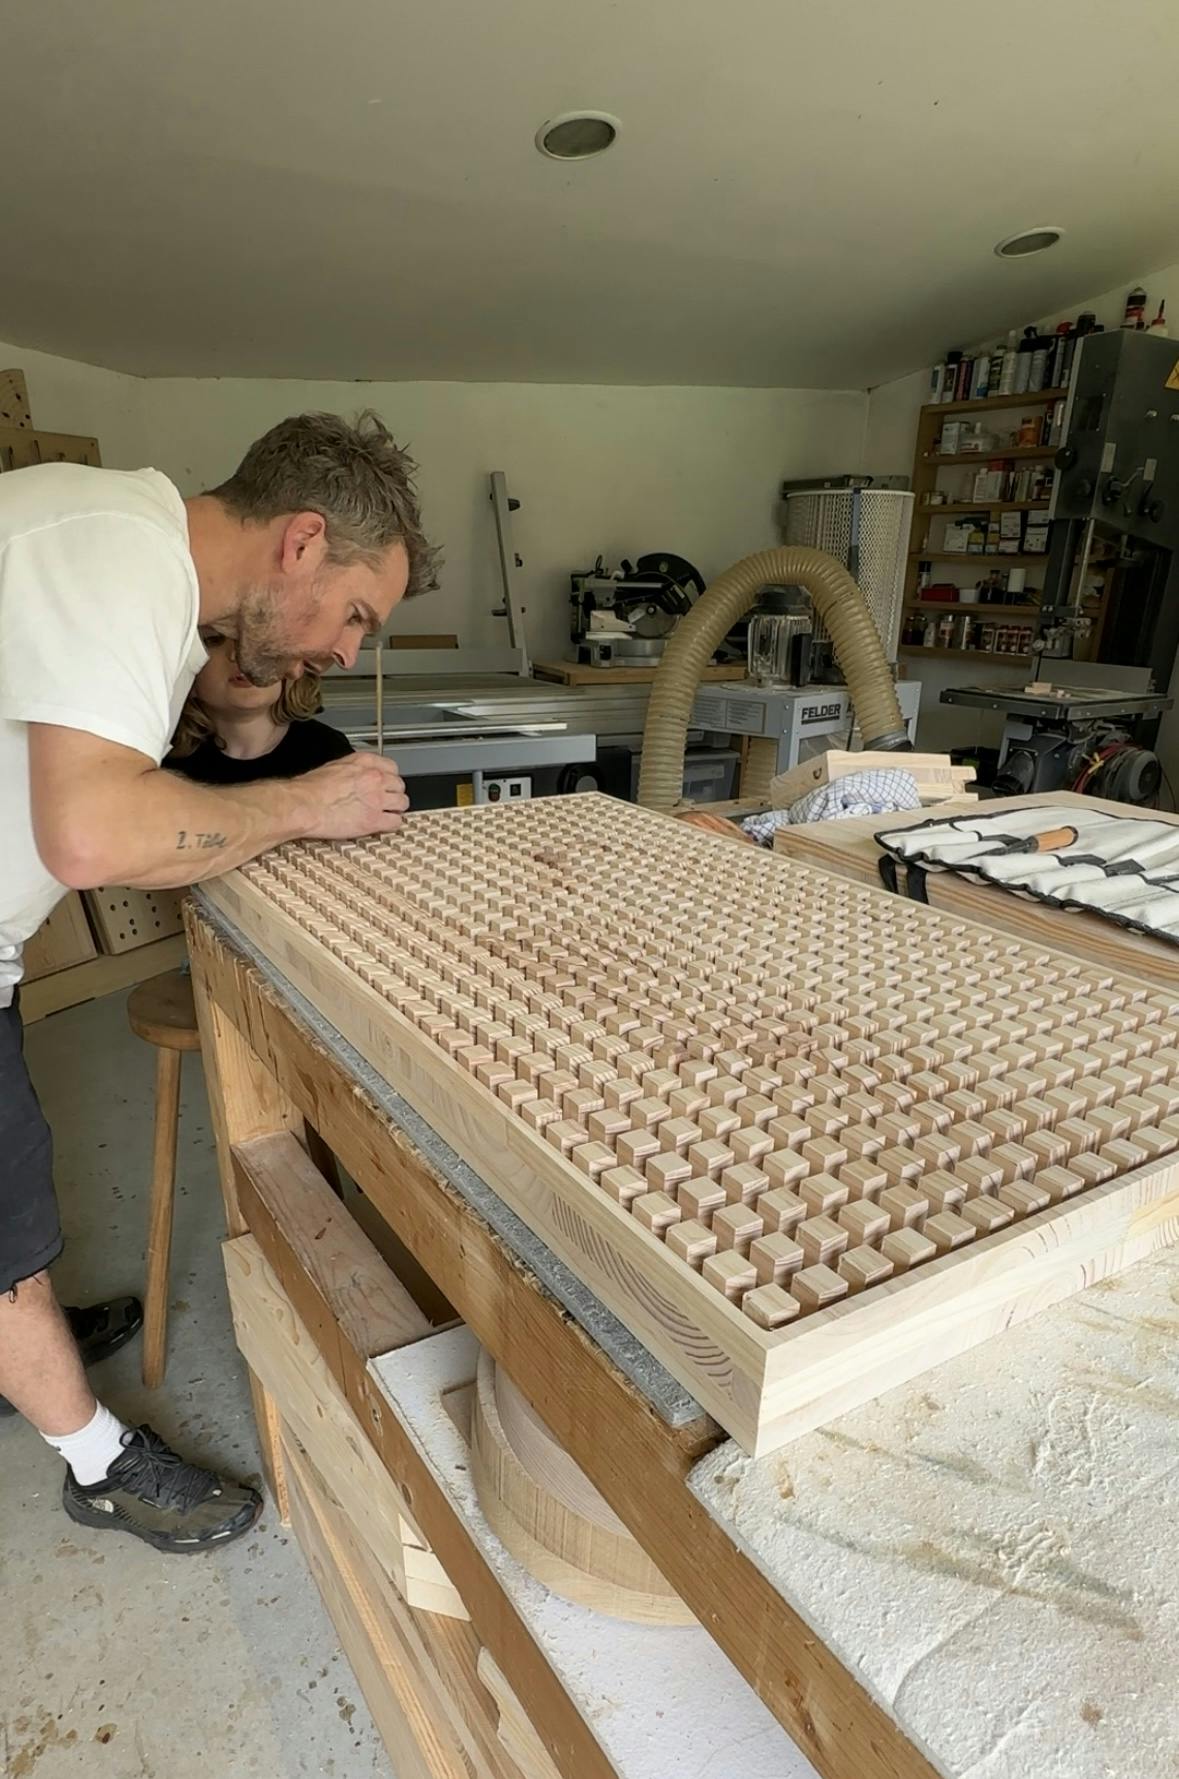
(623, 617)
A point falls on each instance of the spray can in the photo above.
(950, 382)
(1056, 358)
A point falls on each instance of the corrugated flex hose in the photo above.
(690, 647)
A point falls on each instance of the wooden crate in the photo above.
(678, 1061)
(126, 918)
(64, 938)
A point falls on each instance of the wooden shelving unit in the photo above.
(908, 648)
(992, 559)
(928, 463)
(990, 608)
(1022, 453)
(950, 507)
(991, 404)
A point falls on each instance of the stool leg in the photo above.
(159, 1228)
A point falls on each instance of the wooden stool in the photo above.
(161, 1011)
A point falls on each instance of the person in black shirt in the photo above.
(231, 731)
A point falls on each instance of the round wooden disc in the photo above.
(578, 1555)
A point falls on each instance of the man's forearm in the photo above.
(105, 814)
(181, 832)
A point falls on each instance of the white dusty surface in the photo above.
(117, 1662)
(992, 1549)
(662, 1700)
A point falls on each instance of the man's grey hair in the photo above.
(352, 474)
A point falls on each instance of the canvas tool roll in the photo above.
(1124, 867)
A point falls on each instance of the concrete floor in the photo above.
(115, 1661)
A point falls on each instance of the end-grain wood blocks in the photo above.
(518, 972)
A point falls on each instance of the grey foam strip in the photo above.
(669, 1399)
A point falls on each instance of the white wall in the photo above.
(619, 470)
(66, 396)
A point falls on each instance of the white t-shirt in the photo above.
(98, 631)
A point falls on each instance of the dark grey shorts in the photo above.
(30, 1232)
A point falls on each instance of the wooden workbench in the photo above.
(825, 1573)
(849, 849)
(271, 1075)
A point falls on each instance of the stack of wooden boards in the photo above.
(805, 1140)
(935, 775)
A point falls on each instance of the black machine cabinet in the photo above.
(1118, 466)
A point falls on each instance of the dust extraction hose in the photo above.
(690, 647)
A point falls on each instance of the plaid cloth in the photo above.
(859, 793)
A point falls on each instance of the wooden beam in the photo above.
(640, 1468)
(285, 1357)
(245, 1101)
(363, 1616)
(339, 1285)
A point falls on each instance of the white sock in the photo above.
(93, 1449)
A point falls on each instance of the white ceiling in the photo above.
(806, 192)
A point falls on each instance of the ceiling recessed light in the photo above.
(576, 135)
(1029, 241)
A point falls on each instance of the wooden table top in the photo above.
(849, 849)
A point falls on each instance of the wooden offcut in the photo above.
(515, 970)
(550, 1516)
(935, 775)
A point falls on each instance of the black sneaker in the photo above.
(156, 1496)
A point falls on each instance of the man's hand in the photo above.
(363, 794)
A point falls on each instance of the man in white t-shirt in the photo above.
(108, 583)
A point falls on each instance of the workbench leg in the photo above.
(245, 1101)
(159, 1231)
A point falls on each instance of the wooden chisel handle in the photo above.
(1050, 841)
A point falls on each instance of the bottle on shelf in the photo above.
(1135, 315)
(1158, 326)
(995, 369)
(1010, 357)
(980, 386)
(1039, 372)
(950, 383)
(1057, 356)
(1023, 361)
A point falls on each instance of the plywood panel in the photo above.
(63, 939)
(628, 1026)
